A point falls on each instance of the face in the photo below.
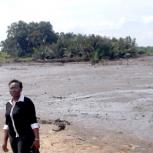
(15, 89)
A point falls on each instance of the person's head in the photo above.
(15, 88)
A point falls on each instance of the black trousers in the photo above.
(21, 144)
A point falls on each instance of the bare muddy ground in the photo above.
(109, 105)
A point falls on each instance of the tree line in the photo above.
(40, 41)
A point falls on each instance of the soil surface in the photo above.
(109, 105)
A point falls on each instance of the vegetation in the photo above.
(145, 50)
(4, 57)
(39, 41)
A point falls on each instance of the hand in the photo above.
(36, 144)
(4, 147)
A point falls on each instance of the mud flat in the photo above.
(109, 105)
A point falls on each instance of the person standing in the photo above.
(21, 125)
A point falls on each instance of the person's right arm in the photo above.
(4, 145)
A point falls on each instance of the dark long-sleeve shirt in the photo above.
(20, 117)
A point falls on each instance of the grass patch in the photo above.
(23, 59)
(4, 57)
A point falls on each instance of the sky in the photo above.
(110, 18)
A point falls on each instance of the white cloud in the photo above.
(88, 26)
(109, 17)
(147, 19)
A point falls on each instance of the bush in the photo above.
(3, 56)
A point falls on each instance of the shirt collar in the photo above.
(21, 99)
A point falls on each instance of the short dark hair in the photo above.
(16, 81)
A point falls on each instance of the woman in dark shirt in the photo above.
(21, 126)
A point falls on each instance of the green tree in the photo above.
(22, 38)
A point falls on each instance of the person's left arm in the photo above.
(36, 142)
(34, 126)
